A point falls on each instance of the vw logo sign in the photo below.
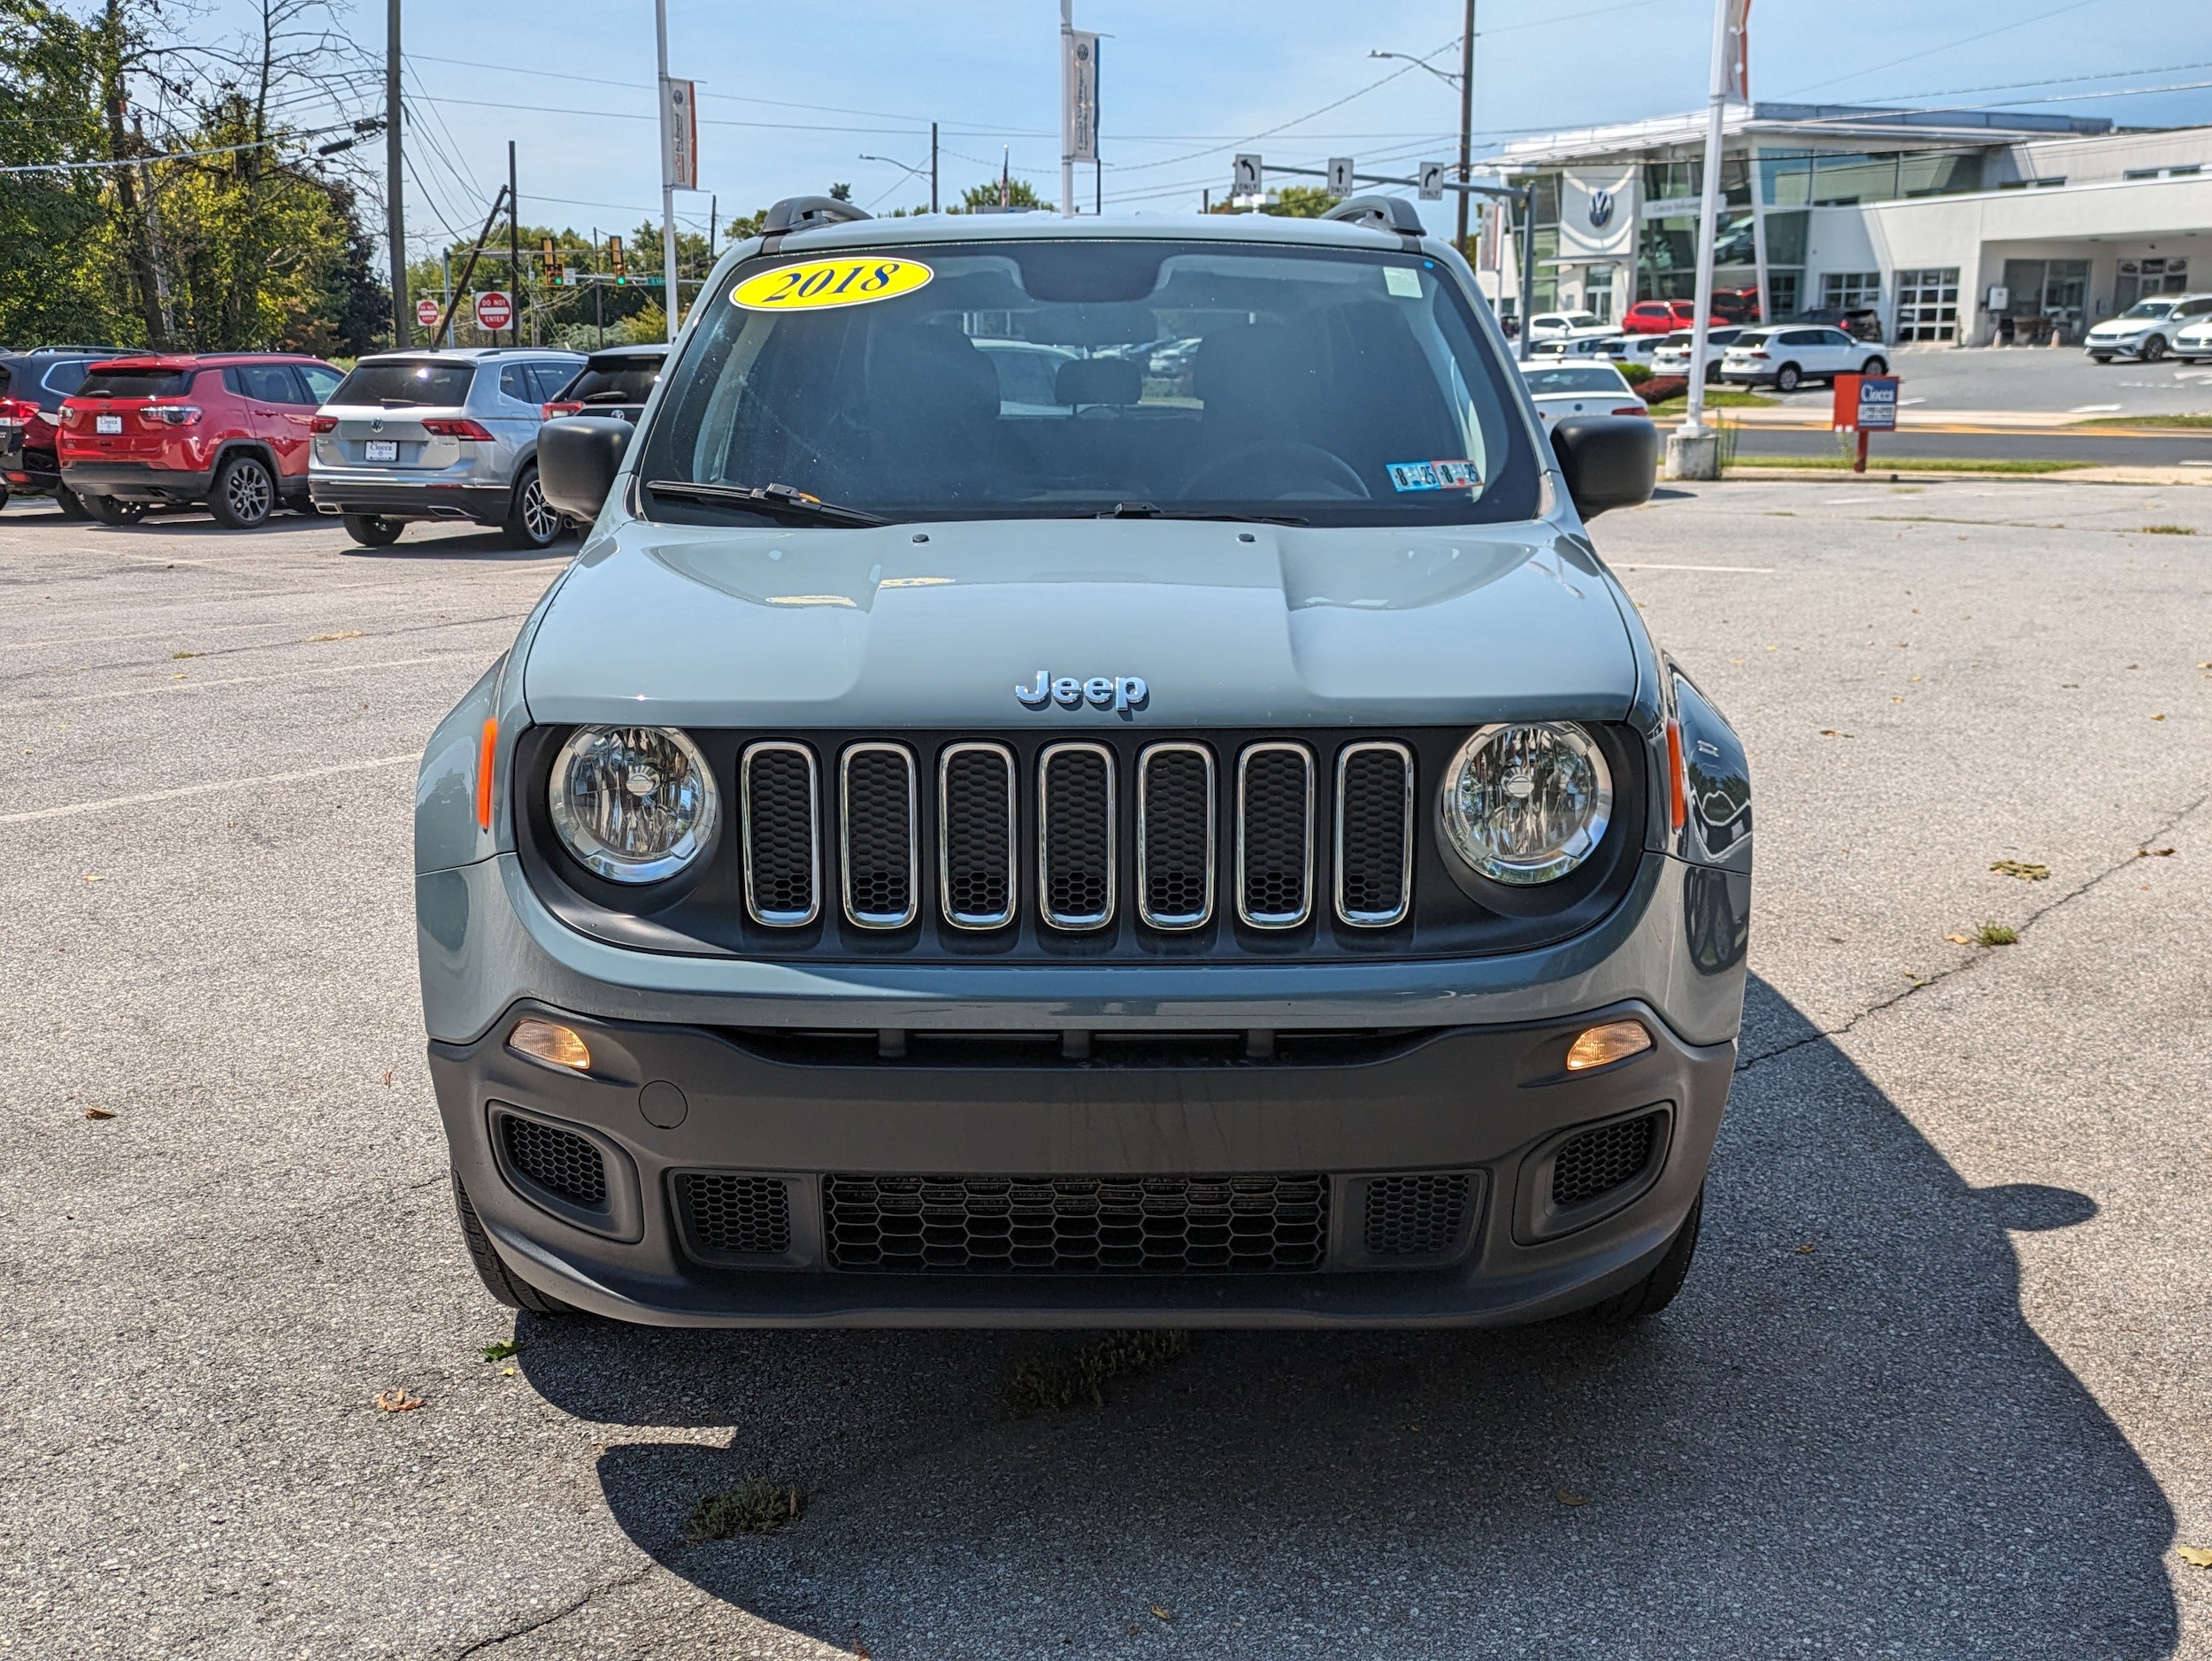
(1601, 209)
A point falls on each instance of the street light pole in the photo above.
(395, 217)
(1466, 120)
(673, 309)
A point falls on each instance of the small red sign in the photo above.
(426, 311)
(494, 311)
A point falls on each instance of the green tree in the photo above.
(1292, 202)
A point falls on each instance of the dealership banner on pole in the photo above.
(1597, 213)
(1079, 142)
(679, 135)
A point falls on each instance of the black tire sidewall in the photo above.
(218, 496)
(1788, 378)
(516, 527)
(1876, 366)
(371, 530)
(70, 503)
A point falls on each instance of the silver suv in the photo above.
(440, 436)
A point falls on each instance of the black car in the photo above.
(33, 384)
(615, 381)
(1860, 322)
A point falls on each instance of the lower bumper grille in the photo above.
(1415, 1216)
(1599, 1161)
(1213, 1224)
(558, 1161)
(726, 1214)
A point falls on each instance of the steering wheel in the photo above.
(1276, 469)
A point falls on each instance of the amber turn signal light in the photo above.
(1600, 1046)
(558, 1046)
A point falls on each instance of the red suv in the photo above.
(1662, 316)
(230, 429)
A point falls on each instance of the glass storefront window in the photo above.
(1928, 304)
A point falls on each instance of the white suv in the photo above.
(2151, 327)
(1787, 355)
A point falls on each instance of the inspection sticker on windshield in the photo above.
(821, 283)
(1434, 475)
(1404, 283)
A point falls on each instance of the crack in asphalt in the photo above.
(1821, 1034)
(562, 1613)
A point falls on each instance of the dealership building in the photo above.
(1962, 226)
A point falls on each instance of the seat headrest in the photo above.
(1098, 381)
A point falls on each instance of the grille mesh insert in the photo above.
(557, 1160)
(780, 844)
(1376, 835)
(1176, 803)
(1226, 1225)
(1599, 1160)
(1277, 834)
(878, 812)
(1416, 1216)
(978, 869)
(726, 1214)
(1078, 836)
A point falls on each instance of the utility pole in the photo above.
(394, 218)
(1466, 120)
(1067, 107)
(674, 308)
(514, 255)
(933, 166)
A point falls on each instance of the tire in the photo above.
(4, 496)
(1788, 378)
(492, 1269)
(243, 495)
(2101, 358)
(1875, 366)
(110, 511)
(2154, 348)
(370, 530)
(70, 503)
(532, 521)
(1656, 1289)
(1712, 374)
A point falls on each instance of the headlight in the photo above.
(1527, 802)
(633, 803)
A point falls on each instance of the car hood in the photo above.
(2128, 325)
(938, 625)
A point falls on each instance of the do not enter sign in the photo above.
(427, 312)
(494, 311)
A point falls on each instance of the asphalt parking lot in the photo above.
(1937, 1386)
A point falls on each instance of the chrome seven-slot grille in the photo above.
(896, 808)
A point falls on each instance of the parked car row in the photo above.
(2158, 324)
(426, 434)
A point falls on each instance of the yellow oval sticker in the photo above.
(821, 283)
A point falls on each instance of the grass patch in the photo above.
(2168, 530)
(1996, 934)
(754, 1506)
(2149, 420)
(1056, 1382)
(1842, 464)
(1716, 399)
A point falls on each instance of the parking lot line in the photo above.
(184, 790)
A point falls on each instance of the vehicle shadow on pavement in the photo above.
(1842, 1439)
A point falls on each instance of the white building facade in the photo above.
(1965, 228)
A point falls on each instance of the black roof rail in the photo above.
(1380, 214)
(803, 213)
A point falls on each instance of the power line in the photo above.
(2020, 23)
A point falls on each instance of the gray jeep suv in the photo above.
(439, 435)
(1209, 848)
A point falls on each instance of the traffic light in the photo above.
(552, 263)
(614, 258)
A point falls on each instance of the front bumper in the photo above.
(137, 480)
(386, 497)
(1487, 1105)
(2131, 347)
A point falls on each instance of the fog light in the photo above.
(1595, 1047)
(558, 1046)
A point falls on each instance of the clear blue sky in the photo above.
(793, 95)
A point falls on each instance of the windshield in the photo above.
(398, 383)
(1577, 378)
(1040, 379)
(136, 383)
(2149, 308)
(613, 380)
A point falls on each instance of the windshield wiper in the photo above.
(1153, 511)
(771, 501)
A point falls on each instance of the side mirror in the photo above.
(1611, 461)
(578, 458)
